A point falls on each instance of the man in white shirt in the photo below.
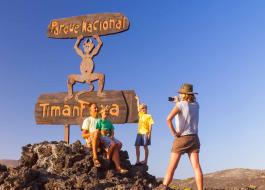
(90, 133)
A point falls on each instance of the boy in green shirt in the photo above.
(112, 145)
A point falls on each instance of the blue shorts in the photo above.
(142, 140)
(107, 141)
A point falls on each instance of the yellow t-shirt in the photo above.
(145, 122)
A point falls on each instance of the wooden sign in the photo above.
(88, 25)
(52, 109)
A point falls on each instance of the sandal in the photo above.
(96, 163)
(122, 171)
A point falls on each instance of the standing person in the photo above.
(90, 133)
(186, 114)
(112, 144)
(143, 137)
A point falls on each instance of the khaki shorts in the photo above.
(186, 144)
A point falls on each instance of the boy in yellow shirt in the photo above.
(143, 137)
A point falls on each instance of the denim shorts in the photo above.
(107, 141)
(142, 140)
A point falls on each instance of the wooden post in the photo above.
(67, 133)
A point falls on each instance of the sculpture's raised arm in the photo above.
(76, 46)
(97, 48)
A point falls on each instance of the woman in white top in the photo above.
(186, 114)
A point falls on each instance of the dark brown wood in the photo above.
(52, 109)
(88, 25)
(132, 116)
(67, 133)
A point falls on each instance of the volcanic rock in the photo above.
(60, 166)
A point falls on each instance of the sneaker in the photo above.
(161, 187)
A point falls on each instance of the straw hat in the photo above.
(186, 89)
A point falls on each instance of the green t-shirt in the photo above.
(104, 125)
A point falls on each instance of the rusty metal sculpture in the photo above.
(86, 67)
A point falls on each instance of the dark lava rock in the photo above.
(59, 166)
(3, 168)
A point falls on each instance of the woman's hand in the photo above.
(176, 134)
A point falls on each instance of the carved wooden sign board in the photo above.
(52, 109)
(88, 25)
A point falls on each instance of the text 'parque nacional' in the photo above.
(88, 25)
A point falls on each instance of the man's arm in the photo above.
(76, 46)
(85, 134)
(84, 128)
(97, 48)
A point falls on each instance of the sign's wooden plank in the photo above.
(52, 109)
(88, 25)
(129, 96)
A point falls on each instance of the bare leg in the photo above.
(116, 158)
(194, 159)
(173, 163)
(95, 142)
(119, 145)
(111, 149)
(137, 150)
(146, 153)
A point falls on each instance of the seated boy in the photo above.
(112, 145)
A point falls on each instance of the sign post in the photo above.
(67, 133)
(70, 108)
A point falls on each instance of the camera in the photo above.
(173, 99)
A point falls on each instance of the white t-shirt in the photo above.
(90, 124)
(187, 120)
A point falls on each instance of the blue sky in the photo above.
(216, 45)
